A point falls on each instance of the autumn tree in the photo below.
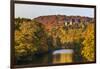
(30, 39)
(88, 48)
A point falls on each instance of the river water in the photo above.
(63, 56)
(55, 57)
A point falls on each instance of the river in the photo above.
(54, 57)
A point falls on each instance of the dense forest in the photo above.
(47, 33)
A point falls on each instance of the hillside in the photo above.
(48, 33)
(61, 20)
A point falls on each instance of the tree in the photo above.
(30, 39)
(88, 48)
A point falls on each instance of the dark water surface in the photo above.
(57, 56)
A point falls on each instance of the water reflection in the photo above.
(63, 56)
(55, 57)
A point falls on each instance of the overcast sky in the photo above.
(32, 11)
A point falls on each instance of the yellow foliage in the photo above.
(88, 48)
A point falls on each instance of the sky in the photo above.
(33, 11)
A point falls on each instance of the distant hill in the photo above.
(59, 20)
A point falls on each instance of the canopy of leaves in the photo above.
(30, 38)
(89, 48)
